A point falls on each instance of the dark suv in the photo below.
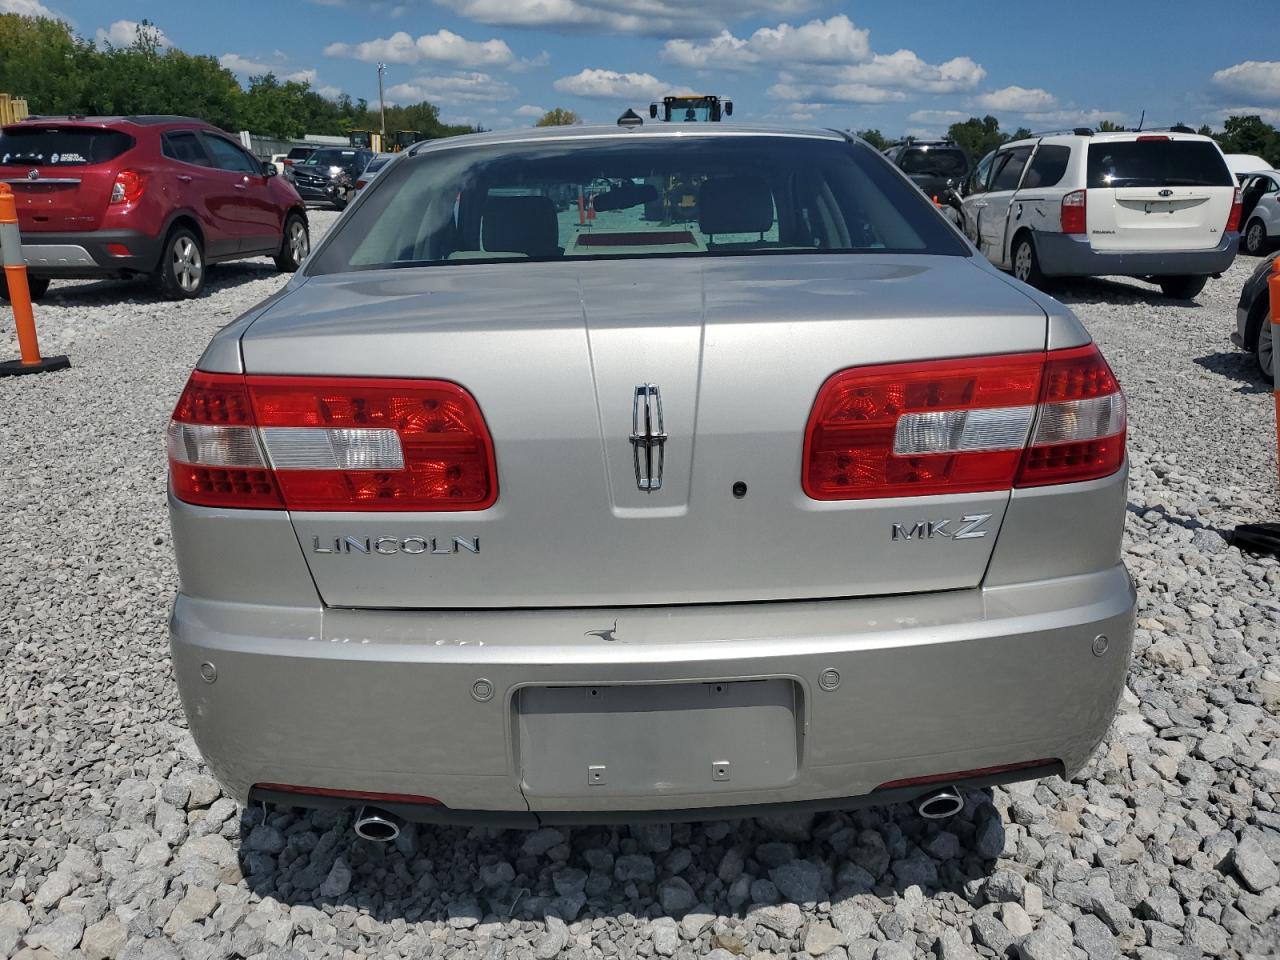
(329, 174)
(935, 166)
(161, 197)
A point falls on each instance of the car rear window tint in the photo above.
(185, 147)
(61, 146)
(1048, 166)
(1157, 163)
(934, 162)
(644, 197)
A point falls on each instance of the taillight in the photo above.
(1237, 209)
(1074, 207)
(128, 187)
(964, 426)
(330, 443)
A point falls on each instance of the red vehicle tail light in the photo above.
(1237, 210)
(1074, 209)
(330, 443)
(128, 187)
(964, 426)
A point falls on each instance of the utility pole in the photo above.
(382, 105)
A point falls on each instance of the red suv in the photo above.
(161, 197)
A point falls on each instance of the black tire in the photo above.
(1026, 265)
(1181, 288)
(1255, 240)
(38, 286)
(1264, 350)
(181, 273)
(294, 245)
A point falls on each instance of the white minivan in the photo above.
(1160, 206)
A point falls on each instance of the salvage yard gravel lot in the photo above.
(116, 842)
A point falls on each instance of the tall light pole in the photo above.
(382, 105)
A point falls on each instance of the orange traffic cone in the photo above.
(15, 274)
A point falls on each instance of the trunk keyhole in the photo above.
(739, 490)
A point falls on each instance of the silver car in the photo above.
(587, 474)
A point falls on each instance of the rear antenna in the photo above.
(1141, 118)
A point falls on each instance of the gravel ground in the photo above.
(115, 842)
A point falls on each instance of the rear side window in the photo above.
(1157, 163)
(185, 147)
(1048, 167)
(61, 146)
(1009, 168)
(637, 197)
(227, 156)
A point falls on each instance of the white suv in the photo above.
(1161, 206)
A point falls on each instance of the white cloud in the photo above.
(905, 69)
(1269, 114)
(29, 8)
(256, 68)
(454, 88)
(612, 85)
(835, 40)
(124, 33)
(1072, 117)
(444, 46)
(1016, 100)
(947, 117)
(654, 18)
(1256, 80)
(835, 92)
(529, 110)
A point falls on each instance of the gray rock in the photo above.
(894, 951)
(634, 866)
(265, 839)
(799, 880)
(821, 937)
(105, 939)
(764, 891)
(676, 896)
(59, 936)
(664, 933)
(775, 854)
(988, 841)
(989, 931)
(1253, 866)
(56, 886)
(537, 843)
(916, 870)
(652, 837)
(951, 946)
(731, 865)
(783, 918)
(852, 919)
(16, 915)
(1043, 945)
(549, 944)
(568, 881)
(496, 874)
(696, 921)
(338, 880)
(464, 914)
(944, 845)
(1015, 919)
(214, 848)
(1005, 886)
(1092, 936)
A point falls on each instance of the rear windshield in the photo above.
(934, 162)
(376, 164)
(298, 153)
(332, 158)
(641, 197)
(61, 146)
(1157, 163)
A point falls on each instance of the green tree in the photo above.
(43, 61)
(1110, 126)
(1022, 133)
(558, 117)
(977, 137)
(875, 138)
(1250, 134)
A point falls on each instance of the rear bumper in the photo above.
(86, 255)
(393, 702)
(1062, 255)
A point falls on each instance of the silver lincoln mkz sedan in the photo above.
(595, 473)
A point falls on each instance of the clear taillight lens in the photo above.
(964, 426)
(330, 443)
(128, 187)
(1237, 210)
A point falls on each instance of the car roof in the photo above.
(1117, 136)
(156, 120)
(654, 130)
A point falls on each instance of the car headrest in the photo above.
(741, 204)
(525, 225)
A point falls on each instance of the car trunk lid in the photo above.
(736, 349)
(61, 173)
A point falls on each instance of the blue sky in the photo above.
(902, 67)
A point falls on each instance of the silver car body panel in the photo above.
(608, 650)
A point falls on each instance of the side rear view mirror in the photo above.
(653, 111)
(270, 170)
(728, 108)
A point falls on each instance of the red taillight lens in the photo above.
(1080, 427)
(337, 443)
(128, 187)
(1074, 208)
(1237, 209)
(964, 426)
(911, 429)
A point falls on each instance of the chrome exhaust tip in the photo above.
(377, 825)
(939, 804)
